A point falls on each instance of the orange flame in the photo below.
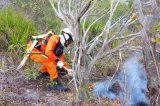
(90, 86)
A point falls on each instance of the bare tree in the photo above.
(75, 14)
(148, 16)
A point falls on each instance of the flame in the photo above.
(141, 59)
(90, 86)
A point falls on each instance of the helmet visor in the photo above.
(69, 41)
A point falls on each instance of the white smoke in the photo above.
(133, 83)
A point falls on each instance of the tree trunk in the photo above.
(147, 20)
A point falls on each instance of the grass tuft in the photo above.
(14, 29)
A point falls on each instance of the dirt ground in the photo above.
(17, 90)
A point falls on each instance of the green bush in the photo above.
(14, 29)
(41, 12)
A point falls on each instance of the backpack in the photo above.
(36, 44)
(42, 39)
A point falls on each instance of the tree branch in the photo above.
(84, 10)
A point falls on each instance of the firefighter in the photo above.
(49, 53)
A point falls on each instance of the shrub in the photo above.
(41, 12)
(14, 29)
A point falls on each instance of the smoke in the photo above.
(128, 85)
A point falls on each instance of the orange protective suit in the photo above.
(46, 56)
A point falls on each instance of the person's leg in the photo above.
(52, 70)
(47, 65)
(39, 58)
(43, 74)
(43, 69)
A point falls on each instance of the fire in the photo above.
(118, 102)
(90, 86)
(115, 102)
(141, 59)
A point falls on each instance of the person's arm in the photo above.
(62, 58)
(51, 45)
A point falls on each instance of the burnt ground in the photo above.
(17, 90)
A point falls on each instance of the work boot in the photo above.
(57, 85)
(44, 75)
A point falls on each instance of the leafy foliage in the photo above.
(14, 28)
(156, 27)
(41, 12)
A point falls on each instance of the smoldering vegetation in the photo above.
(128, 85)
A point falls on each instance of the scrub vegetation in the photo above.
(14, 30)
(106, 33)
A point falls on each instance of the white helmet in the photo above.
(68, 36)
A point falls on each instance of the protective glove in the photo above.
(70, 72)
(60, 64)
